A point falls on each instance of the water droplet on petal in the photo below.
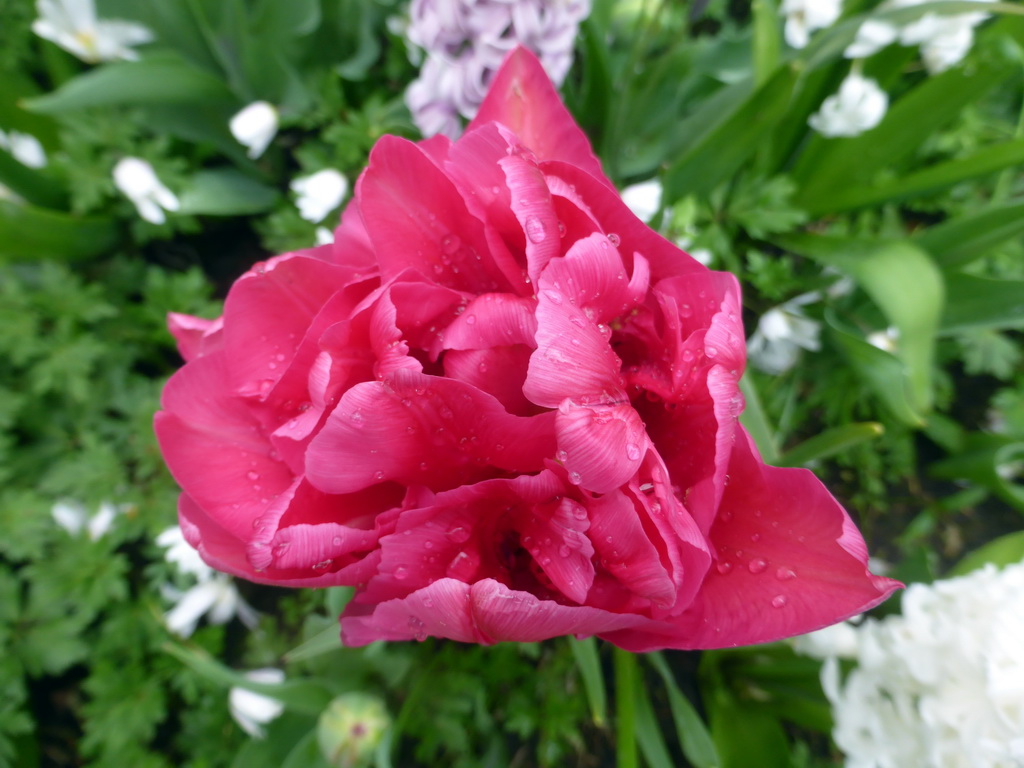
(779, 601)
(711, 351)
(378, 475)
(535, 229)
(632, 451)
(401, 573)
(450, 244)
(553, 296)
(253, 475)
(575, 478)
(723, 567)
(323, 564)
(562, 455)
(459, 535)
(785, 574)
(685, 310)
(757, 565)
(614, 239)
(470, 319)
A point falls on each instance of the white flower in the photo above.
(872, 36)
(254, 127)
(324, 236)
(24, 148)
(73, 518)
(181, 554)
(859, 106)
(781, 333)
(941, 686)
(840, 640)
(702, 255)
(887, 340)
(215, 597)
(805, 16)
(254, 710)
(319, 194)
(643, 199)
(138, 182)
(73, 25)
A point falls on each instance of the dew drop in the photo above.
(687, 355)
(785, 574)
(323, 564)
(686, 310)
(553, 296)
(779, 601)
(378, 475)
(614, 239)
(711, 351)
(579, 513)
(450, 244)
(561, 228)
(254, 476)
(470, 319)
(564, 551)
(336, 541)
(575, 478)
(723, 567)
(757, 565)
(632, 451)
(535, 229)
(755, 537)
(562, 455)
(401, 573)
(459, 535)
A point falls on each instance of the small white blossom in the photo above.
(887, 340)
(324, 236)
(643, 199)
(859, 106)
(254, 710)
(806, 16)
(781, 333)
(840, 640)
(702, 255)
(255, 126)
(73, 518)
(73, 25)
(24, 148)
(872, 36)
(319, 194)
(942, 685)
(137, 180)
(181, 554)
(215, 597)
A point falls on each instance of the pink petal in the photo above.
(558, 543)
(605, 206)
(486, 612)
(194, 335)
(422, 430)
(601, 445)
(532, 205)
(416, 218)
(493, 320)
(573, 357)
(522, 97)
(498, 371)
(267, 313)
(789, 561)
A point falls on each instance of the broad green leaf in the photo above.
(163, 78)
(904, 283)
(696, 741)
(969, 236)
(327, 640)
(226, 192)
(995, 462)
(981, 302)
(846, 162)
(767, 39)
(588, 662)
(34, 185)
(284, 735)
(746, 736)
(27, 232)
(755, 420)
(881, 371)
(983, 162)
(829, 443)
(306, 753)
(303, 696)
(1006, 550)
(648, 733)
(734, 138)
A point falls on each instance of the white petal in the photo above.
(253, 710)
(182, 619)
(319, 194)
(70, 516)
(100, 523)
(643, 199)
(255, 126)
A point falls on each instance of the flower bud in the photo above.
(351, 728)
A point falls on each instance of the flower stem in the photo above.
(625, 709)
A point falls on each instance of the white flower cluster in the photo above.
(944, 39)
(214, 594)
(465, 42)
(75, 27)
(942, 685)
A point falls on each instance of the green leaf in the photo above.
(747, 736)
(27, 232)
(648, 734)
(844, 162)
(981, 302)
(34, 185)
(163, 78)
(995, 462)
(588, 663)
(696, 741)
(302, 696)
(755, 420)
(885, 269)
(983, 162)
(969, 236)
(767, 39)
(306, 753)
(1006, 550)
(830, 442)
(734, 137)
(226, 192)
(325, 641)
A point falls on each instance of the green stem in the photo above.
(625, 709)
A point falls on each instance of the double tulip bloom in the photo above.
(503, 409)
